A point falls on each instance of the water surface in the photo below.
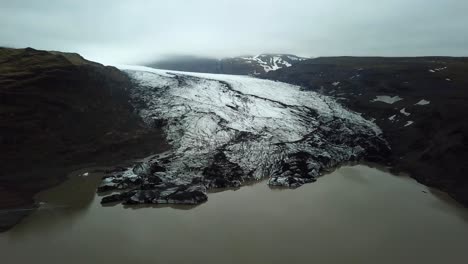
(353, 215)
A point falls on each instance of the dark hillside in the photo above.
(57, 111)
(429, 139)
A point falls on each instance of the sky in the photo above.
(139, 31)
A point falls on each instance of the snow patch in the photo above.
(423, 102)
(387, 99)
(272, 62)
(409, 123)
(403, 111)
(437, 69)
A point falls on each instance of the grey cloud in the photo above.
(124, 31)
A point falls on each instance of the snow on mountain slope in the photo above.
(227, 129)
(271, 62)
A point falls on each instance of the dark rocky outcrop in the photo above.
(59, 111)
(428, 140)
(143, 184)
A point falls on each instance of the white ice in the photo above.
(207, 112)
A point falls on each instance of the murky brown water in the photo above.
(354, 215)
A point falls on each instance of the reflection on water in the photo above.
(353, 215)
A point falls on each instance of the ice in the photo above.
(255, 124)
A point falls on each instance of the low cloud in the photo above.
(122, 31)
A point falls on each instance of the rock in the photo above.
(174, 195)
(156, 168)
(117, 197)
(236, 184)
(189, 196)
(142, 169)
(312, 166)
(293, 168)
(279, 181)
(290, 182)
(150, 183)
(107, 186)
(111, 199)
(197, 180)
(143, 197)
(312, 174)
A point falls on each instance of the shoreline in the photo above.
(57, 176)
(443, 196)
(350, 207)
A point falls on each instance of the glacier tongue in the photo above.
(226, 129)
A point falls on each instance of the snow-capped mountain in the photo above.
(227, 129)
(264, 63)
(242, 65)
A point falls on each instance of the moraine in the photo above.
(226, 130)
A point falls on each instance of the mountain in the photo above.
(255, 65)
(58, 112)
(420, 104)
(188, 64)
(243, 65)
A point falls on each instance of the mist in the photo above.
(131, 32)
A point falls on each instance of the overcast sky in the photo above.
(132, 31)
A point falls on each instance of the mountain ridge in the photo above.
(240, 65)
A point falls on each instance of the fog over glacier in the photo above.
(122, 31)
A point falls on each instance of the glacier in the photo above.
(226, 130)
